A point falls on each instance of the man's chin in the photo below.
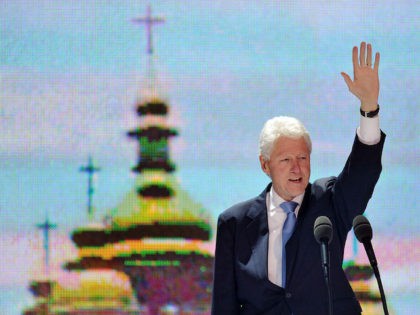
(296, 191)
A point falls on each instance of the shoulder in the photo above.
(237, 211)
(322, 185)
(248, 208)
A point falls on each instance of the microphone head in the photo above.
(323, 229)
(362, 229)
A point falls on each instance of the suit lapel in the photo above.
(292, 245)
(257, 235)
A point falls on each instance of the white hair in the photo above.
(281, 126)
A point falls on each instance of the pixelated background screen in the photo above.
(141, 120)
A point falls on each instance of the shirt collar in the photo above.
(275, 200)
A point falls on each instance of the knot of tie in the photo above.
(289, 206)
(289, 225)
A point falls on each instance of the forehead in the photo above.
(285, 145)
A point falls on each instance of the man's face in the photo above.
(289, 167)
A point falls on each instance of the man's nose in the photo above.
(295, 166)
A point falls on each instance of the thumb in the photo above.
(347, 79)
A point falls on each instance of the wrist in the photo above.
(369, 105)
(369, 113)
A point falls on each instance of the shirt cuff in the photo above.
(368, 132)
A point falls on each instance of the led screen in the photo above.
(126, 129)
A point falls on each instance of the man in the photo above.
(255, 273)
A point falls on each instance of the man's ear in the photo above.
(264, 165)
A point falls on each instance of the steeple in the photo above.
(159, 236)
(153, 135)
(149, 21)
(90, 169)
(46, 226)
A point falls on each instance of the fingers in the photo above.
(365, 84)
(362, 54)
(365, 57)
(369, 55)
(355, 60)
(376, 65)
(347, 79)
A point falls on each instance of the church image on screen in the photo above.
(150, 254)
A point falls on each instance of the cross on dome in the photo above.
(149, 20)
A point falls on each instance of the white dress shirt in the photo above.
(276, 218)
(368, 133)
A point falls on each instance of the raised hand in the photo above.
(365, 84)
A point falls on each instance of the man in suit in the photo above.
(248, 276)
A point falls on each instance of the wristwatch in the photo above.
(369, 114)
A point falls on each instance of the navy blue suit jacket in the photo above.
(241, 284)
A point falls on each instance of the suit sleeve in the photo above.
(224, 300)
(355, 184)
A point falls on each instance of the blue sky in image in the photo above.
(221, 34)
(71, 71)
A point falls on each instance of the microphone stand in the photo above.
(374, 264)
(381, 290)
(326, 269)
(323, 234)
(363, 231)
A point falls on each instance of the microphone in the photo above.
(363, 231)
(323, 235)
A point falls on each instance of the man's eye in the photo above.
(285, 160)
(302, 157)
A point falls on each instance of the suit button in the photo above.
(288, 295)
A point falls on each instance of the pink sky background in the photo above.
(23, 259)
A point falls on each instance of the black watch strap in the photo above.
(369, 114)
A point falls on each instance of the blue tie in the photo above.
(288, 228)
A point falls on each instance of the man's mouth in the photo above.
(295, 180)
